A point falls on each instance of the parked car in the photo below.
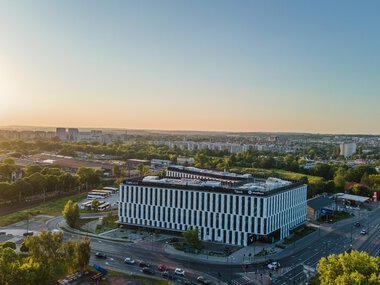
(129, 260)
(101, 255)
(202, 280)
(144, 264)
(167, 275)
(179, 271)
(357, 224)
(173, 240)
(148, 270)
(162, 267)
(274, 265)
(363, 232)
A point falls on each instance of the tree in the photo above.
(82, 254)
(95, 204)
(339, 181)
(192, 237)
(89, 176)
(71, 213)
(142, 169)
(9, 244)
(31, 169)
(349, 268)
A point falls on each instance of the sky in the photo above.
(213, 65)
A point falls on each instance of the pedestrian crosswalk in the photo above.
(242, 281)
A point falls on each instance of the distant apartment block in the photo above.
(347, 149)
(73, 134)
(61, 133)
(225, 207)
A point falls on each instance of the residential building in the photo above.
(225, 207)
(73, 134)
(347, 149)
(61, 133)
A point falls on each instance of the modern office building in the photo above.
(347, 149)
(224, 207)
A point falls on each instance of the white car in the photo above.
(129, 260)
(179, 271)
(363, 232)
(274, 265)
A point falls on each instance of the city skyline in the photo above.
(207, 66)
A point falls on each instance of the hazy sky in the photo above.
(307, 66)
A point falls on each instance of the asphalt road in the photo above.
(291, 271)
(335, 242)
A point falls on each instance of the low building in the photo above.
(158, 164)
(320, 206)
(183, 160)
(351, 200)
(132, 163)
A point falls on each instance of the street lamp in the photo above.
(231, 259)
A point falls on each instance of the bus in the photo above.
(106, 192)
(113, 189)
(86, 205)
(96, 195)
(104, 207)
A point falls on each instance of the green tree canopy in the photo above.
(192, 237)
(71, 213)
(349, 268)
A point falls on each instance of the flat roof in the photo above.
(351, 197)
(319, 202)
(210, 173)
(259, 186)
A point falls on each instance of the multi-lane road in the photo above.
(337, 241)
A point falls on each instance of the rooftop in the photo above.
(319, 202)
(258, 186)
(208, 172)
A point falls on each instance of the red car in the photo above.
(162, 267)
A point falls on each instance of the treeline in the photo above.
(46, 257)
(43, 181)
(140, 149)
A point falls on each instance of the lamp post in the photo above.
(231, 259)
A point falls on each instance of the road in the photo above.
(291, 272)
(335, 242)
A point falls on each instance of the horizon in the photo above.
(200, 66)
(53, 128)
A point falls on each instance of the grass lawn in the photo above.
(283, 174)
(52, 208)
(82, 222)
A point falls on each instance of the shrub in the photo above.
(9, 244)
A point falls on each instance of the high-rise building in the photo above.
(61, 133)
(347, 149)
(73, 134)
(224, 207)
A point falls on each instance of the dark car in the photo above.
(144, 264)
(167, 275)
(148, 270)
(101, 255)
(174, 240)
(357, 224)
